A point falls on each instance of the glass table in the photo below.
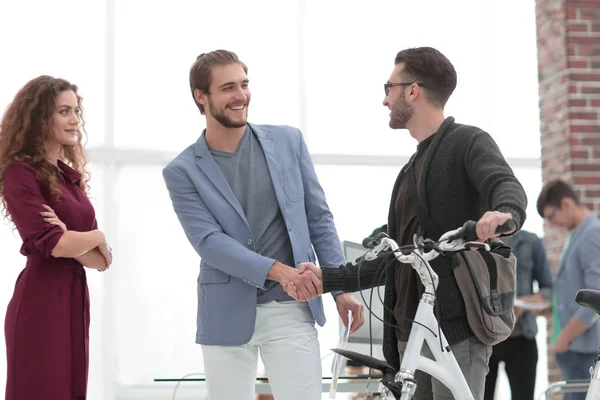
(346, 384)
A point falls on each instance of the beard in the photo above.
(402, 112)
(223, 119)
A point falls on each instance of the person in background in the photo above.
(519, 352)
(575, 329)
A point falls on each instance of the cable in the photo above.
(364, 301)
(378, 272)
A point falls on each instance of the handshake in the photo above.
(305, 283)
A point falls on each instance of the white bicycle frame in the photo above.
(445, 368)
(593, 392)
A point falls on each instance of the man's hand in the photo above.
(518, 311)
(562, 343)
(487, 224)
(282, 273)
(345, 302)
(307, 285)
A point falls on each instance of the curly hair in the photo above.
(25, 128)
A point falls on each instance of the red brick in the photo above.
(588, 89)
(591, 77)
(595, 102)
(583, 40)
(585, 128)
(577, 103)
(581, 154)
(593, 167)
(592, 13)
(583, 115)
(582, 50)
(577, 26)
(587, 180)
(579, 64)
(593, 194)
(592, 141)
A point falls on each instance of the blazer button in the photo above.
(249, 242)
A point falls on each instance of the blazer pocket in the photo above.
(292, 183)
(213, 275)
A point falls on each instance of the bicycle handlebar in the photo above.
(425, 250)
(467, 232)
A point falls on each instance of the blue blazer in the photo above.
(230, 269)
(580, 269)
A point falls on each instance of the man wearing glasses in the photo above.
(575, 329)
(457, 174)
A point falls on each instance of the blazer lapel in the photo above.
(268, 146)
(208, 165)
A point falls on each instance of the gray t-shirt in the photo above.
(247, 173)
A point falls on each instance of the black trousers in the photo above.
(520, 357)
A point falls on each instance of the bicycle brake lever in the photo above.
(373, 253)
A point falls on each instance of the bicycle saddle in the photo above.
(365, 360)
(388, 372)
(589, 298)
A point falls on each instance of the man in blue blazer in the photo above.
(575, 329)
(249, 201)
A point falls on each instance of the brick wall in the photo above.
(568, 35)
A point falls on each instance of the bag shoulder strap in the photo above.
(425, 222)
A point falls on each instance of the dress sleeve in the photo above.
(24, 198)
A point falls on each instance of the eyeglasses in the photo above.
(387, 86)
(550, 216)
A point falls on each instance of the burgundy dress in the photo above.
(48, 317)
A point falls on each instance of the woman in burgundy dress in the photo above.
(43, 191)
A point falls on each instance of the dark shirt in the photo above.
(408, 285)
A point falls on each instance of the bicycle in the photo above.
(402, 384)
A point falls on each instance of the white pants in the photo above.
(286, 337)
